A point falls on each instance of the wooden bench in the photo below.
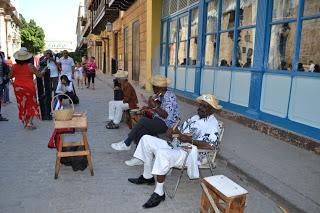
(220, 194)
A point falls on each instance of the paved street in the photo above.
(27, 168)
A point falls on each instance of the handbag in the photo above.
(74, 97)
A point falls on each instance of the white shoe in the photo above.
(133, 162)
(120, 146)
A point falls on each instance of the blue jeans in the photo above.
(6, 93)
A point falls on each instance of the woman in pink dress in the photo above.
(91, 71)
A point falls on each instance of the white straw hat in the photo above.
(160, 81)
(121, 74)
(211, 100)
(22, 55)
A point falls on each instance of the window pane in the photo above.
(164, 31)
(193, 51)
(248, 12)
(245, 48)
(283, 9)
(228, 14)
(163, 56)
(309, 49)
(182, 53)
(194, 22)
(172, 54)
(211, 44)
(183, 28)
(225, 51)
(212, 17)
(311, 7)
(281, 46)
(173, 31)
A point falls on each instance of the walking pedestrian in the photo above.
(24, 87)
(91, 71)
(84, 65)
(67, 65)
(4, 71)
(79, 75)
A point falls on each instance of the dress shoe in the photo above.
(141, 180)
(154, 200)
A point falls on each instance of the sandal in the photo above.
(31, 127)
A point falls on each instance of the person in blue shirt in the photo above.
(161, 113)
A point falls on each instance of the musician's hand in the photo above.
(169, 132)
(185, 138)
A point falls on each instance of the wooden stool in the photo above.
(79, 122)
(221, 193)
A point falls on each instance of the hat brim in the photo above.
(22, 58)
(215, 106)
(160, 84)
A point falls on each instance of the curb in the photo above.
(264, 189)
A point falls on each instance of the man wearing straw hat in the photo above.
(201, 130)
(129, 101)
(162, 111)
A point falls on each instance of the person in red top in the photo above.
(91, 71)
(24, 87)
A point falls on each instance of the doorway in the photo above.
(135, 51)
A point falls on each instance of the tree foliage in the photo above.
(32, 36)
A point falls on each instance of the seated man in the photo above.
(161, 113)
(129, 101)
(204, 129)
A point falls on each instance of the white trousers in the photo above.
(165, 156)
(116, 109)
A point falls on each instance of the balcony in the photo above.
(101, 15)
(121, 4)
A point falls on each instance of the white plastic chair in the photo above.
(211, 155)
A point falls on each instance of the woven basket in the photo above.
(64, 114)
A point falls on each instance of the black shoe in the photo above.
(3, 119)
(141, 180)
(154, 200)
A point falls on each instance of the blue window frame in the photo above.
(230, 24)
(163, 42)
(293, 27)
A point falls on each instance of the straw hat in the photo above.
(121, 74)
(22, 55)
(160, 81)
(210, 99)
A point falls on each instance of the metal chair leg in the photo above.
(179, 179)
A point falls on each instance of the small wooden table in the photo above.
(79, 123)
(221, 188)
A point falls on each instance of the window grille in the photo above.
(165, 8)
(173, 6)
(182, 4)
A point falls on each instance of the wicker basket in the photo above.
(64, 114)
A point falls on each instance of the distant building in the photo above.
(10, 23)
(58, 46)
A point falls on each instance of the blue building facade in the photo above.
(259, 57)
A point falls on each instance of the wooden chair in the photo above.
(210, 154)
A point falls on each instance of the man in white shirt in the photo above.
(67, 65)
(202, 130)
(52, 65)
